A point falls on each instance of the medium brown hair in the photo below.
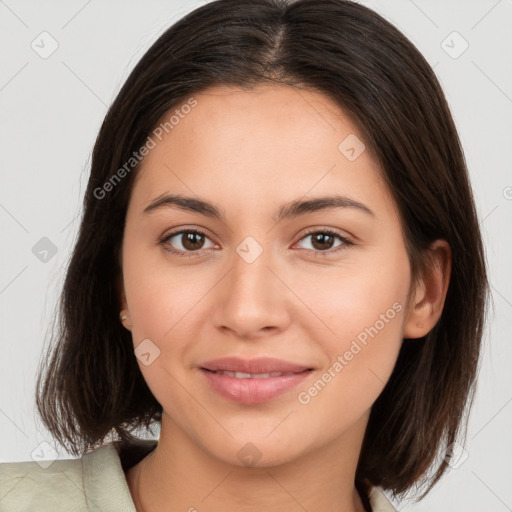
(90, 383)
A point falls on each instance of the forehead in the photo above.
(266, 144)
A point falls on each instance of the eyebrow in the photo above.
(286, 211)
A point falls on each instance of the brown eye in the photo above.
(321, 241)
(192, 241)
(185, 241)
(324, 241)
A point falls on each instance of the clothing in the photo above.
(95, 482)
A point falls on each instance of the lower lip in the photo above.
(253, 391)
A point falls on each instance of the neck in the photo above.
(180, 474)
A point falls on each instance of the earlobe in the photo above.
(125, 319)
(428, 298)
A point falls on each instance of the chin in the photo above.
(257, 451)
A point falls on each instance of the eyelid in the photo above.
(327, 229)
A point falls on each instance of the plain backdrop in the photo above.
(52, 106)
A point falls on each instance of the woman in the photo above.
(279, 264)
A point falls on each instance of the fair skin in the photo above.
(248, 153)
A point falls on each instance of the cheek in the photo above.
(344, 301)
(160, 297)
(165, 307)
(362, 314)
(359, 362)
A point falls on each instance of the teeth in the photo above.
(243, 375)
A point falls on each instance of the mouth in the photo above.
(243, 375)
(253, 381)
(256, 366)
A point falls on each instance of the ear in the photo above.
(427, 299)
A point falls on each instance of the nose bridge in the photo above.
(252, 296)
(250, 275)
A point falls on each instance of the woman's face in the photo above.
(264, 279)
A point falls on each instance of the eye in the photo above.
(323, 240)
(187, 241)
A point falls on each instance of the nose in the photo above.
(252, 301)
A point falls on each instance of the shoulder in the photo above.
(379, 501)
(95, 481)
(41, 485)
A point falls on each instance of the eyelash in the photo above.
(188, 254)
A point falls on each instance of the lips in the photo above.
(253, 381)
(262, 365)
(243, 375)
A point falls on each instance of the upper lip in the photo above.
(253, 366)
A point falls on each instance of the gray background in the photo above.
(52, 109)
